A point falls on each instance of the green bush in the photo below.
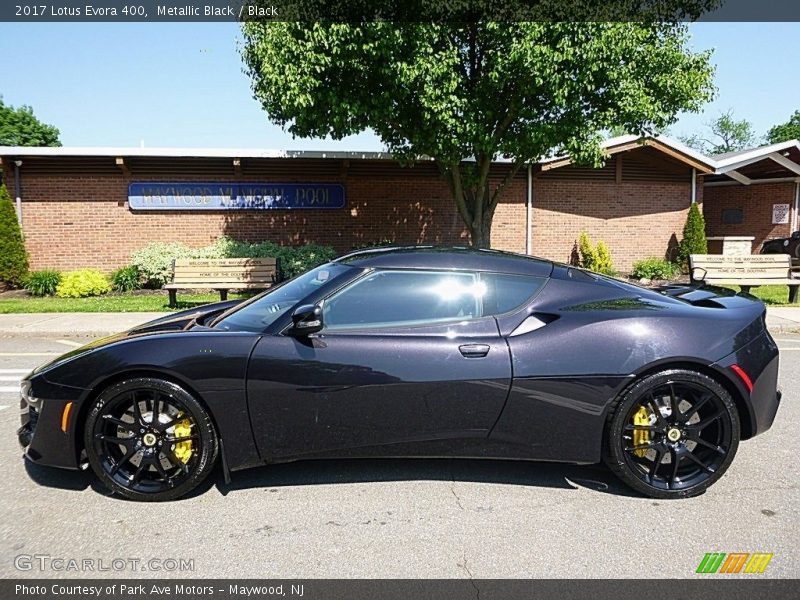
(654, 268)
(694, 236)
(126, 279)
(42, 283)
(82, 283)
(597, 259)
(154, 261)
(379, 244)
(304, 258)
(13, 257)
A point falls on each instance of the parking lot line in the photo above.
(3, 407)
(30, 353)
(9, 388)
(10, 377)
(70, 343)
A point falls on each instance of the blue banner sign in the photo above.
(189, 195)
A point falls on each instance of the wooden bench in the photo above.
(745, 271)
(222, 275)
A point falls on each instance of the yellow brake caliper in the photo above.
(641, 436)
(183, 450)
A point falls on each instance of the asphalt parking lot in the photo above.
(401, 518)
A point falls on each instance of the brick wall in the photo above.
(635, 217)
(755, 202)
(79, 217)
(75, 211)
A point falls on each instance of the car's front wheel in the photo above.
(672, 434)
(149, 439)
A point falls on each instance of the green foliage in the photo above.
(126, 279)
(604, 262)
(154, 261)
(379, 244)
(19, 127)
(83, 283)
(587, 252)
(464, 93)
(694, 236)
(597, 259)
(654, 268)
(303, 258)
(42, 283)
(726, 135)
(786, 131)
(13, 256)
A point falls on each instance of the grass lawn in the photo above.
(773, 295)
(151, 302)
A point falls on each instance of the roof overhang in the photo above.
(625, 143)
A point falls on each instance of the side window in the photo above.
(392, 298)
(506, 292)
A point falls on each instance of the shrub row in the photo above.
(154, 261)
(152, 266)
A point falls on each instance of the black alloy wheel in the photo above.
(672, 434)
(149, 439)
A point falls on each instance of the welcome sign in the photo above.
(234, 196)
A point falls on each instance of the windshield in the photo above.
(264, 310)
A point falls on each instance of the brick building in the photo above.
(84, 207)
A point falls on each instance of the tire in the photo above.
(144, 457)
(700, 438)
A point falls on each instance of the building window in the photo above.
(732, 216)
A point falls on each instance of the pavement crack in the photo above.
(464, 565)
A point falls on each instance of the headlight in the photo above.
(25, 391)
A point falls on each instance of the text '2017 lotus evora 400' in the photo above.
(418, 352)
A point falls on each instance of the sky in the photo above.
(182, 84)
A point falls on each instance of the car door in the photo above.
(404, 356)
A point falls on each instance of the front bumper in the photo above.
(40, 434)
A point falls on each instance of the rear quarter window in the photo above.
(505, 292)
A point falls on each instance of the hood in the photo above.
(184, 319)
(172, 323)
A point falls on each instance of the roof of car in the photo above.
(448, 257)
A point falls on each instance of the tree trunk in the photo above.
(481, 232)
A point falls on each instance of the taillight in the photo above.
(743, 376)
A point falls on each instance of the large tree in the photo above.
(725, 134)
(20, 127)
(786, 131)
(465, 94)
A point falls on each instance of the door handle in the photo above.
(474, 350)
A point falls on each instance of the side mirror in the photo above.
(306, 319)
(796, 235)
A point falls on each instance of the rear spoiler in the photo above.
(710, 296)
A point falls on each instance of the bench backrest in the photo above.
(226, 270)
(709, 267)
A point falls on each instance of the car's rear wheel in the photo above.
(672, 434)
(149, 439)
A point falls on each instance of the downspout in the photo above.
(694, 186)
(796, 206)
(17, 190)
(529, 211)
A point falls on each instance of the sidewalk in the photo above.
(782, 319)
(71, 324)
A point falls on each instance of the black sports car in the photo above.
(418, 352)
(790, 245)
